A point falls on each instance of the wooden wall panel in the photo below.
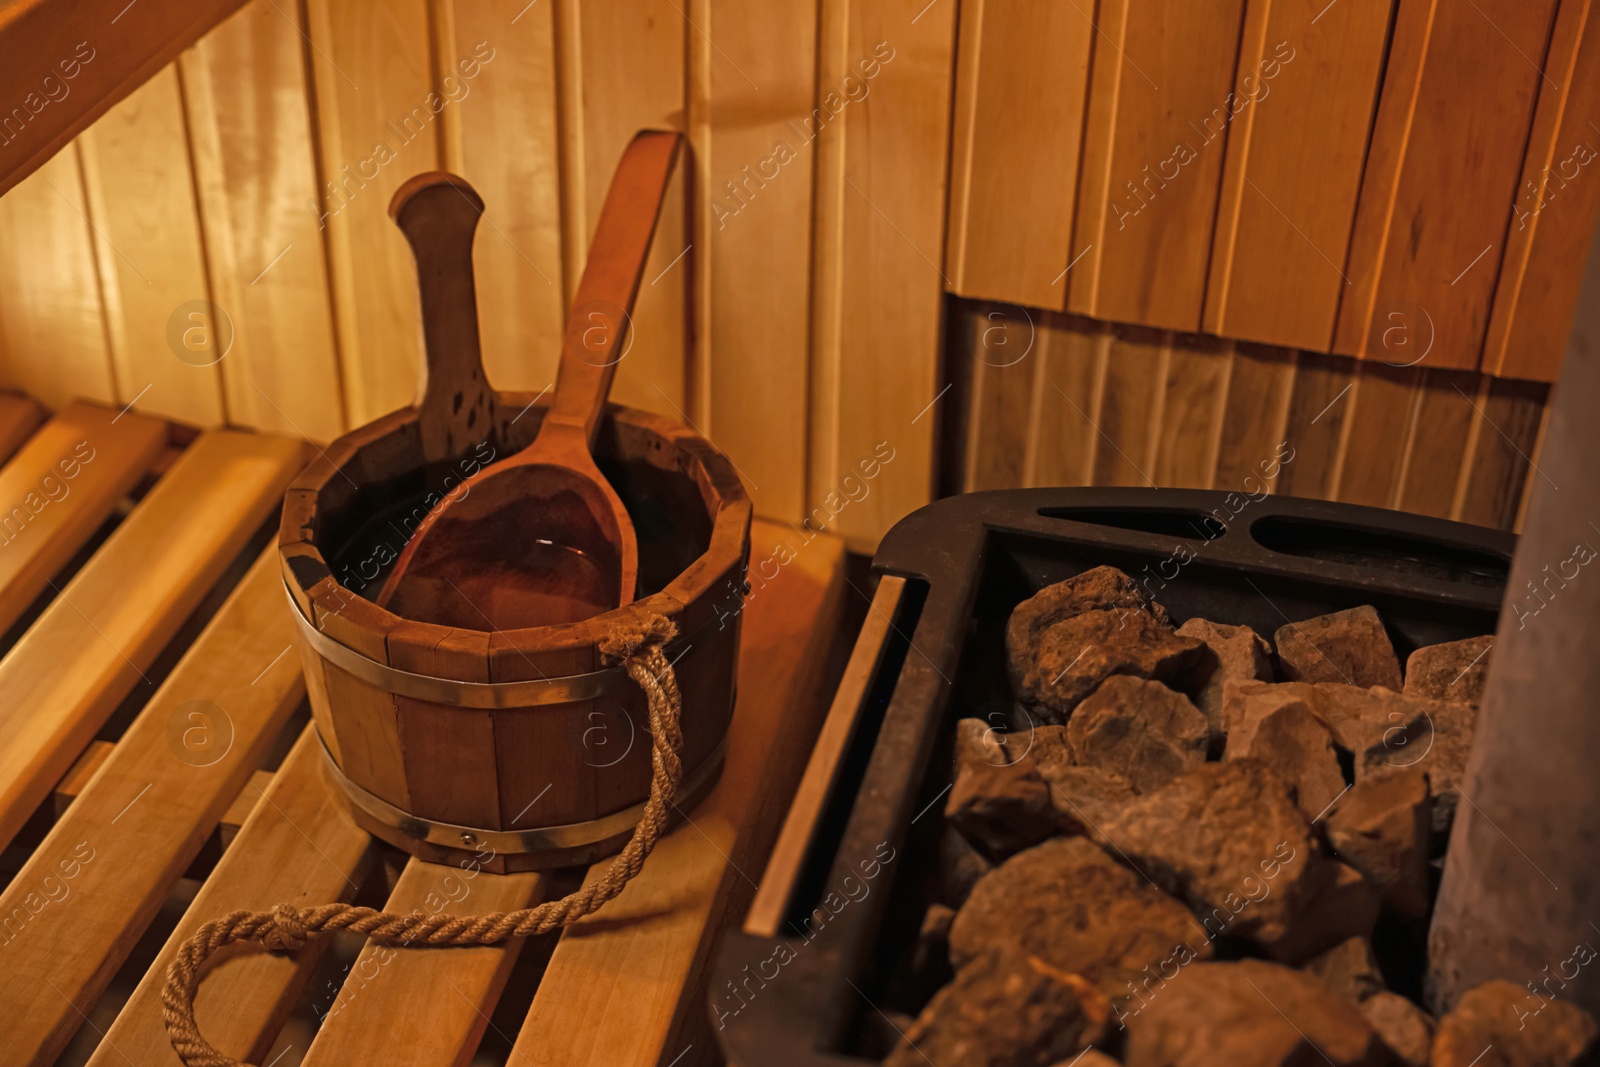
(250, 130)
(753, 130)
(52, 330)
(879, 230)
(1446, 156)
(1188, 431)
(1314, 426)
(1557, 207)
(377, 126)
(1074, 352)
(1021, 88)
(1255, 417)
(622, 69)
(1293, 169)
(1003, 394)
(1129, 403)
(1502, 459)
(1158, 118)
(502, 136)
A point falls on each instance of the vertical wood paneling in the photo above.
(624, 69)
(141, 194)
(1188, 431)
(249, 124)
(1557, 207)
(1446, 154)
(1501, 459)
(880, 215)
(1021, 87)
(52, 330)
(1377, 430)
(1159, 111)
(502, 137)
(1260, 384)
(1003, 387)
(1439, 439)
(1130, 389)
(1314, 428)
(1293, 169)
(1075, 352)
(377, 125)
(751, 101)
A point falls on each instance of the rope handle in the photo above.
(287, 928)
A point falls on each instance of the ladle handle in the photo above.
(597, 325)
(438, 213)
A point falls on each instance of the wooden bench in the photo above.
(157, 770)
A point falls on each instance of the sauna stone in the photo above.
(1347, 646)
(1077, 654)
(977, 742)
(960, 867)
(1240, 1014)
(1405, 1028)
(1070, 904)
(1349, 969)
(1228, 839)
(1453, 671)
(1382, 827)
(1139, 730)
(1005, 1008)
(1001, 809)
(1280, 730)
(1345, 905)
(1502, 1014)
(1086, 798)
(1433, 735)
(1235, 653)
(925, 965)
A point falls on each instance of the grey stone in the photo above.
(1401, 1025)
(1349, 969)
(1001, 809)
(1139, 730)
(1280, 730)
(1077, 654)
(1233, 653)
(1382, 828)
(1519, 1028)
(1348, 646)
(1452, 671)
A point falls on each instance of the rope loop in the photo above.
(287, 928)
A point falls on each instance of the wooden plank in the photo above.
(57, 491)
(502, 137)
(622, 68)
(165, 337)
(299, 846)
(1383, 407)
(628, 985)
(19, 417)
(140, 822)
(1067, 439)
(249, 119)
(1277, 259)
(1254, 420)
(52, 326)
(750, 104)
(1319, 402)
(1557, 208)
(1161, 99)
(879, 225)
(83, 769)
(377, 125)
(70, 67)
(426, 1008)
(90, 647)
(1407, 253)
(1433, 459)
(240, 807)
(1500, 463)
(1003, 379)
(1130, 392)
(1022, 82)
(1188, 434)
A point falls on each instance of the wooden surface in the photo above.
(1091, 406)
(103, 629)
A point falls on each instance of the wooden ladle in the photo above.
(540, 537)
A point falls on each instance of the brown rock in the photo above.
(1005, 1009)
(1347, 646)
(1349, 969)
(1516, 1027)
(1085, 797)
(925, 965)
(978, 742)
(1356, 717)
(1233, 653)
(1453, 671)
(1079, 653)
(1281, 731)
(960, 867)
(1001, 809)
(1430, 735)
(1228, 839)
(1140, 730)
(1071, 905)
(1346, 907)
(1382, 828)
(1091, 1058)
(1097, 589)
(1401, 1025)
(1249, 1014)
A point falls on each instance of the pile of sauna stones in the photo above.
(1203, 849)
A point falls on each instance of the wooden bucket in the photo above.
(515, 749)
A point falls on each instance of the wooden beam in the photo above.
(67, 64)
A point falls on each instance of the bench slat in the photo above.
(141, 820)
(19, 417)
(92, 644)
